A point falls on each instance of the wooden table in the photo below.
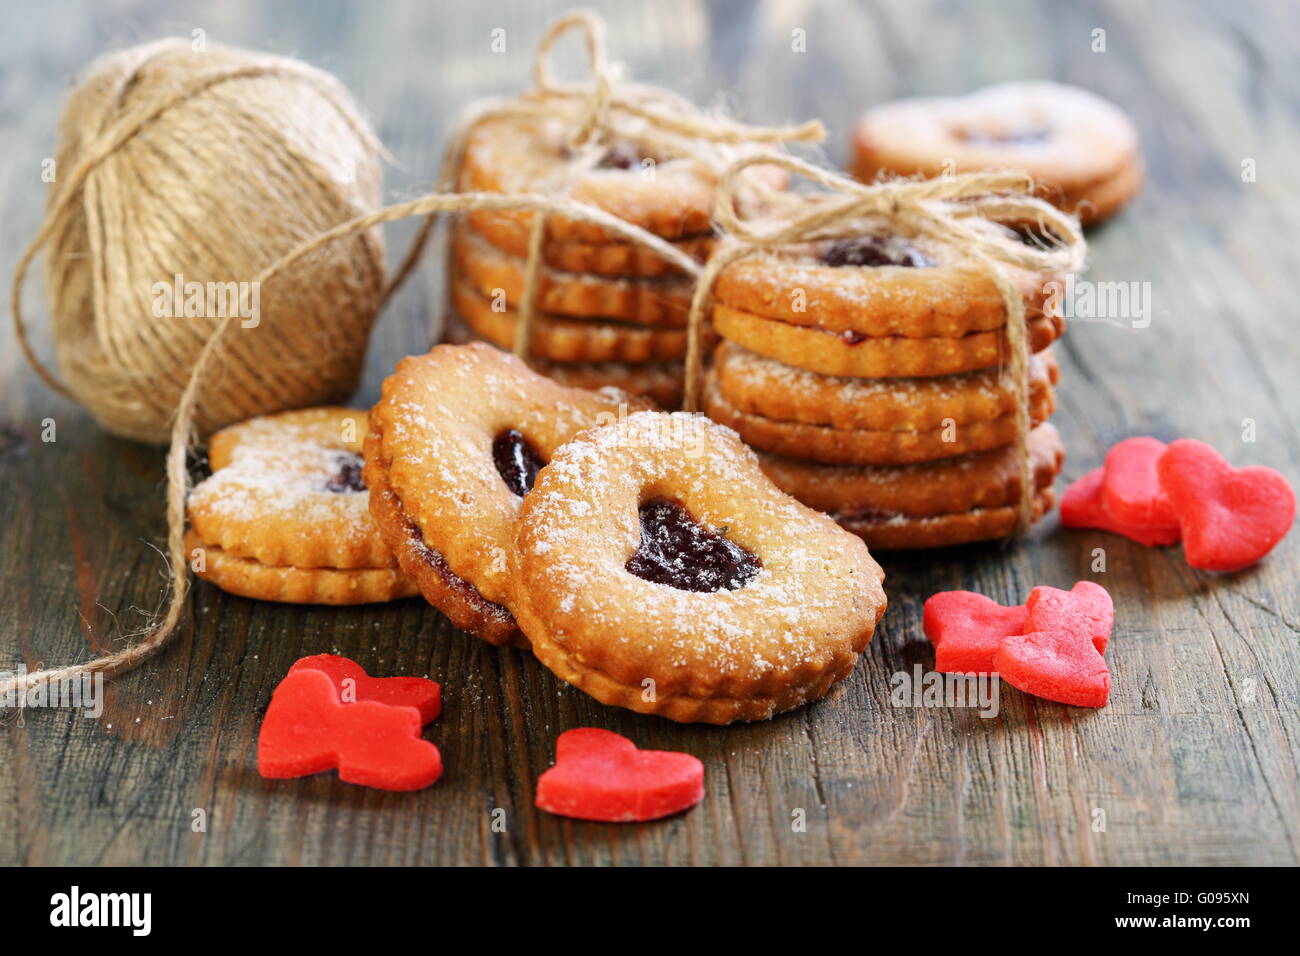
(1193, 761)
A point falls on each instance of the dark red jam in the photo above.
(867, 514)
(1020, 136)
(1036, 236)
(517, 461)
(875, 251)
(852, 337)
(620, 156)
(678, 551)
(348, 476)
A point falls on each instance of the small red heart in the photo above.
(1230, 517)
(307, 729)
(418, 692)
(966, 628)
(1082, 506)
(1059, 655)
(599, 775)
(1131, 492)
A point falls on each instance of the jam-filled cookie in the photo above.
(670, 197)
(878, 284)
(854, 355)
(896, 532)
(1081, 150)
(861, 446)
(657, 568)
(455, 442)
(660, 382)
(561, 339)
(989, 479)
(285, 514)
(493, 274)
(756, 385)
(614, 259)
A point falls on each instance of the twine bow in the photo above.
(965, 213)
(603, 102)
(668, 125)
(960, 211)
(601, 109)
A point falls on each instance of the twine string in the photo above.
(137, 118)
(183, 436)
(958, 211)
(528, 300)
(963, 212)
(599, 109)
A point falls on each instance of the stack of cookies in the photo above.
(607, 311)
(868, 372)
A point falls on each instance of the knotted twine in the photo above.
(672, 125)
(183, 428)
(603, 110)
(602, 103)
(964, 213)
(203, 164)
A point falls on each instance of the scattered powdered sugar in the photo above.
(285, 482)
(816, 588)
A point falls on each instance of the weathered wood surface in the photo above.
(1193, 761)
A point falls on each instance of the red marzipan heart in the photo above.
(308, 729)
(599, 775)
(1082, 507)
(1059, 655)
(966, 628)
(1131, 492)
(1230, 517)
(418, 692)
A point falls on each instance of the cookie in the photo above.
(451, 594)
(670, 197)
(988, 479)
(660, 382)
(493, 274)
(902, 533)
(615, 258)
(455, 441)
(285, 514)
(568, 340)
(876, 284)
(857, 356)
(1081, 150)
(755, 385)
(289, 585)
(843, 446)
(658, 569)
(330, 427)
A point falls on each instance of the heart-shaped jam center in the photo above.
(347, 478)
(875, 251)
(517, 461)
(678, 551)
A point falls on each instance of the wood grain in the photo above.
(1193, 761)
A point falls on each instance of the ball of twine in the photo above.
(181, 170)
